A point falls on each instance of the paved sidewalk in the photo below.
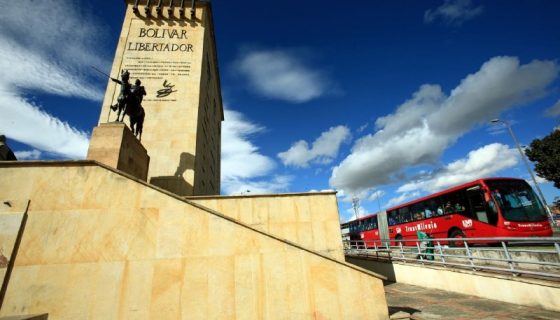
(412, 302)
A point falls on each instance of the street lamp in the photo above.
(496, 121)
(377, 196)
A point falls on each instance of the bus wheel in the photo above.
(457, 234)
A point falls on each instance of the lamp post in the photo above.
(496, 121)
(377, 196)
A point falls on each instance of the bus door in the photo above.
(480, 209)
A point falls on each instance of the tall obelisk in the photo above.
(169, 46)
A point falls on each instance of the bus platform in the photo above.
(413, 302)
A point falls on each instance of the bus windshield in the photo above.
(517, 200)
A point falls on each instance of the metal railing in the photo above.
(529, 257)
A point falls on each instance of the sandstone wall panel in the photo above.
(137, 252)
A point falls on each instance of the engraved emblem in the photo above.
(167, 89)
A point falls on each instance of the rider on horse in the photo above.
(137, 118)
(138, 91)
(124, 96)
(129, 102)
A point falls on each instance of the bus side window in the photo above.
(417, 211)
(462, 203)
(431, 208)
(369, 224)
(392, 217)
(404, 215)
(455, 203)
(438, 203)
(477, 205)
(447, 204)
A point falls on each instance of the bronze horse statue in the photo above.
(129, 103)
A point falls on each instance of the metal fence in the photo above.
(528, 257)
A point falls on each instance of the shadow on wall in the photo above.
(176, 183)
(383, 268)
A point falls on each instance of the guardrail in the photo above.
(534, 257)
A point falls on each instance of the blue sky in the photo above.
(381, 100)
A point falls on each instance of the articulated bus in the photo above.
(492, 207)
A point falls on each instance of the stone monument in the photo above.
(170, 46)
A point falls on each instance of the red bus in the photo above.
(361, 229)
(492, 207)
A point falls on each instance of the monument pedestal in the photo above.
(115, 145)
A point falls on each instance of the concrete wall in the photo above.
(210, 116)
(98, 244)
(525, 292)
(308, 219)
(12, 219)
(115, 145)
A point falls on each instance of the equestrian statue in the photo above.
(129, 103)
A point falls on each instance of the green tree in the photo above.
(545, 153)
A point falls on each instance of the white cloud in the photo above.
(242, 162)
(480, 163)
(276, 184)
(376, 195)
(50, 56)
(424, 126)
(352, 214)
(28, 155)
(70, 33)
(362, 128)
(349, 197)
(453, 12)
(282, 74)
(25, 69)
(402, 198)
(322, 190)
(554, 111)
(240, 157)
(25, 122)
(323, 151)
(540, 180)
